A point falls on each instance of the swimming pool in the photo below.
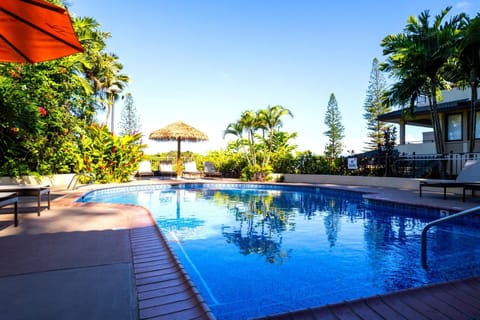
(254, 250)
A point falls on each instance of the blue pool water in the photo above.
(255, 250)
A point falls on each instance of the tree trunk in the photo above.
(473, 109)
(437, 130)
(437, 127)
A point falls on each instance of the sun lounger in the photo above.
(29, 191)
(191, 170)
(166, 168)
(145, 169)
(9, 198)
(467, 179)
(470, 186)
(209, 170)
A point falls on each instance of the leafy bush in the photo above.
(109, 157)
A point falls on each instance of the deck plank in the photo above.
(401, 307)
(453, 301)
(390, 309)
(322, 313)
(163, 290)
(343, 311)
(363, 310)
(428, 298)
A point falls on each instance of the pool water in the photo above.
(257, 250)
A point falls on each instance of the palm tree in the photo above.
(271, 122)
(257, 132)
(247, 125)
(416, 58)
(236, 129)
(103, 70)
(464, 70)
(109, 81)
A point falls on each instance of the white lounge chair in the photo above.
(145, 169)
(165, 168)
(468, 179)
(191, 170)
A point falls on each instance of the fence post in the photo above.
(414, 166)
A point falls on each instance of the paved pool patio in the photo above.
(102, 261)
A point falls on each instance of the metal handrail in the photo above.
(76, 177)
(438, 221)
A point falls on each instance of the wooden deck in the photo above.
(453, 300)
(164, 291)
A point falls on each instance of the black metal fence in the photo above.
(432, 166)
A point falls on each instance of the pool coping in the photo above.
(153, 272)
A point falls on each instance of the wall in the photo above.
(418, 148)
(59, 181)
(388, 182)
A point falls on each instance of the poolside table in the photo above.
(26, 190)
(8, 198)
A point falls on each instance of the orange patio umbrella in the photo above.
(34, 31)
(178, 131)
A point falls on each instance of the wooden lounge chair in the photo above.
(165, 168)
(145, 169)
(9, 198)
(468, 178)
(209, 170)
(191, 170)
(29, 191)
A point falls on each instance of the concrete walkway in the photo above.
(72, 262)
(75, 261)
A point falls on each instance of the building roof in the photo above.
(419, 113)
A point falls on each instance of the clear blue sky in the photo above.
(204, 62)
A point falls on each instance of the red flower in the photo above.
(14, 131)
(42, 111)
(14, 74)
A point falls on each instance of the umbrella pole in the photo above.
(179, 162)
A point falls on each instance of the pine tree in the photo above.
(335, 132)
(129, 122)
(374, 107)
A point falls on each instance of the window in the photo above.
(454, 127)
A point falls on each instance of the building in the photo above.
(454, 113)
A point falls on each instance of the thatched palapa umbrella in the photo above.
(178, 131)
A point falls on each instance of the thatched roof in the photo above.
(178, 131)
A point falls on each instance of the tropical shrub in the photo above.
(108, 157)
(258, 139)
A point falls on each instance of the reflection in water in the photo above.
(178, 222)
(260, 221)
(263, 216)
